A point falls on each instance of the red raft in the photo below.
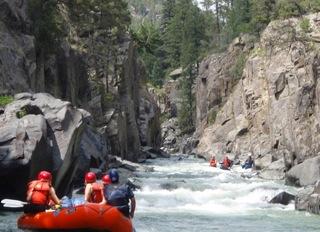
(91, 217)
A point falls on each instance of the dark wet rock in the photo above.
(169, 186)
(151, 153)
(134, 185)
(283, 198)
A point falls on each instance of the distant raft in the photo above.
(87, 217)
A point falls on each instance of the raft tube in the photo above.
(87, 217)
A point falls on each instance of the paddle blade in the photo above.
(13, 202)
(7, 205)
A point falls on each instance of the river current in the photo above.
(188, 195)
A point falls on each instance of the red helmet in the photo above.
(44, 175)
(90, 177)
(106, 179)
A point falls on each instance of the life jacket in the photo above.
(213, 163)
(226, 163)
(96, 194)
(40, 192)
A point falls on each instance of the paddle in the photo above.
(9, 203)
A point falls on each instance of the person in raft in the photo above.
(41, 195)
(226, 163)
(93, 192)
(106, 180)
(248, 163)
(120, 195)
(213, 161)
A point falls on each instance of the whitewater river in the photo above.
(188, 195)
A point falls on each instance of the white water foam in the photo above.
(200, 189)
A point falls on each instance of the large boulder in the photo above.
(308, 199)
(306, 173)
(302, 198)
(37, 132)
(275, 171)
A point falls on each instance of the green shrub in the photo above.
(108, 97)
(212, 115)
(258, 52)
(22, 112)
(305, 25)
(5, 100)
(237, 69)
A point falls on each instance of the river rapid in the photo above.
(188, 195)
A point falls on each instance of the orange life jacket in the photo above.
(96, 194)
(213, 163)
(40, 192)
(226, 163)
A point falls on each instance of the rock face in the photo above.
(17, 47)
(273, 111)
(39, 132)
(118, 101)
(306, 173)
(216, 81)
(308, 199)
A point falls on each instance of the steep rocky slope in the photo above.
(273, 111)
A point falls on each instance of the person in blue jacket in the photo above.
(248, 163)
(120, 195)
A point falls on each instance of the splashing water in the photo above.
(188, 195)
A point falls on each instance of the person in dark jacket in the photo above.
(248, 163)
(120, 196)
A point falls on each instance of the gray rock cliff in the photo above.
(272, 112)
(119, 102)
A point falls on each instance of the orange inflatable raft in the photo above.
(90, 217)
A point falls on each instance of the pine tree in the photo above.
(288, 8)
(193, 32)
(47, 25)
(207, 4)
(239, 18)
(261, 14)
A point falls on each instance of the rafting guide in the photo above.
(120, 195)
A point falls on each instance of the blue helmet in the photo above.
(114, 175)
